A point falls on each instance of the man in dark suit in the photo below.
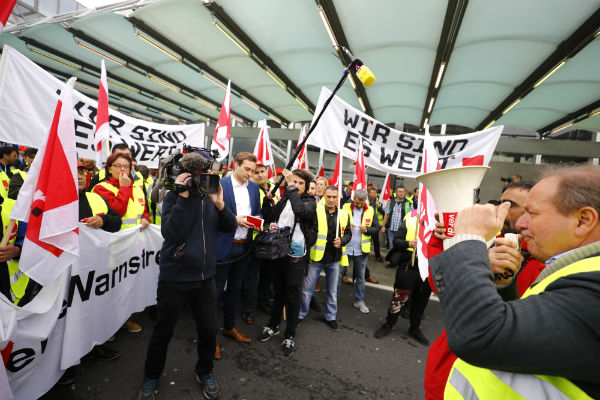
(242, 197)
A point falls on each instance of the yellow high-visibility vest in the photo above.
(367, 220)
(467, 381)
(135, 206)
(318, 250)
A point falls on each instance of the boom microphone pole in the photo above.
(363, 73)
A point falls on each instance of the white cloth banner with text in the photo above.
(116, 276)
(28, 97)
(393, 151)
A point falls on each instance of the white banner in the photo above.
(393, 151)
(116, 276)
(28, 97)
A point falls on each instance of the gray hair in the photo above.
(361, 194)
(578, 186)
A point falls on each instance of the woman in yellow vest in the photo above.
(127, 199)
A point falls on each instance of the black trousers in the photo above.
(376, 245)
(172, 298)
(407, 283)
(287, 278)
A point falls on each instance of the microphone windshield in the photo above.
(365, 75)
(193, 162)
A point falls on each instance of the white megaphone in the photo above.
(453, 190)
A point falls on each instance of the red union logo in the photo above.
(449, 220)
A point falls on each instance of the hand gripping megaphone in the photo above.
(453, 190)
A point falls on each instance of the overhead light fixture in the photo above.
(169, 116)
(275, 78)
(352, 81)
(214, 80)
(232, 38)
(251, 104)
(328, 27)
(514, 103)
(425, 122)
(440, 74)
(85, 87)
(362, 104)
(274, 118)
(134, 104)
(140, 116)
(549, 74)
(54, 58)
(594, 113)
(303, 104)
(200, 116)
(490, 124)
(159, 46)
(430, 105)
(560, 128)
(205, 103)
(113, 107)
(122, 85)
(166, 103)
(165, 84)
(101, 54)
(597, 33)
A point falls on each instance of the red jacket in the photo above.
(121, 200)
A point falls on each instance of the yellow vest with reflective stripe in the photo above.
(97, 203)
(411, 228)
(367, 220)
(18, 280)
(135, 206)
(318, 250)
(469, 382)
(137, 182)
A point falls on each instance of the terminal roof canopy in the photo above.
(475, 63)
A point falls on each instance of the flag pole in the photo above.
(7, 232)
(412, 257)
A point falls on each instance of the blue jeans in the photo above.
(391, 235)
(359, 266)
(310, 279)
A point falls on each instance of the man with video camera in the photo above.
(192, 214)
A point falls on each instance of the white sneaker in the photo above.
(361, 306)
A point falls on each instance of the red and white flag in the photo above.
(102, 134)
(48, 200)
(262, 149)
(222, 134)
(360, 173)
(5, 9)
(302, 161)
(427, 245)
(337, 172)
(321, 171)
(386, 192)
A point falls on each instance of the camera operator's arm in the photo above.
(227, 221)
(175, 221)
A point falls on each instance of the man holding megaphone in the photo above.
(546, 343)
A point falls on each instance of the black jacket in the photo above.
(305, 212)
(111, 221)
(399, 255)
(191, 224)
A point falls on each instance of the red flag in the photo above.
(262, 149)
(5, 9)
(321, 172)
(222, 134)
(102, 127)
(360, 175)
(386, 192)
(302, 161)
(428, 245)
(48, 199)
(337, 172)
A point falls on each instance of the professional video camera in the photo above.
(198, 163)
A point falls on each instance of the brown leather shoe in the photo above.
(346, 280)
(236, 335)
(372, 280)
(217, 351)
(132, 327)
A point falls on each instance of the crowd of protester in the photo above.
(328, 232)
